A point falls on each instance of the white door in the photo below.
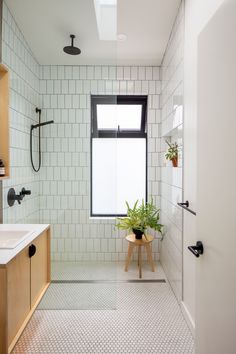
(216, 190)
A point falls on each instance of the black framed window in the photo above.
(118, 153)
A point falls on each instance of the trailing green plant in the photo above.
(172, 152)
(141, 217)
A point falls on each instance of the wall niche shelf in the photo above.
(4, 119)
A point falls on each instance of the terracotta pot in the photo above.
(175, 162)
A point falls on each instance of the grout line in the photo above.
(107, 281)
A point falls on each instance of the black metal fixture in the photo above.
(12, 196)
(32, 250)
(186, 204)
(70, 49)
(186, 207)
(197, 250)
(25, 192)
(34, 126)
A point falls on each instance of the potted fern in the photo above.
(139, 218)
(172, 153)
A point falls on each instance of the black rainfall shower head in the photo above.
(70, 49)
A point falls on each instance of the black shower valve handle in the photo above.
(12, 197)
(25, 192)
(19, 198)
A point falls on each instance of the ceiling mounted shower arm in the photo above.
(72, 36)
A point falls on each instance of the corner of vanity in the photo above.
(25, 275)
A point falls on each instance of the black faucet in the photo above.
(12, 196)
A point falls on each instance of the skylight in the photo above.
(106, 15)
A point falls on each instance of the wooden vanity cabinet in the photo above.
(23, 281)
(18, 292)
(39, 268)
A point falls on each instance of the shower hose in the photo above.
(39, 144)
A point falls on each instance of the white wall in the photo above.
(215, 270)
(65, 176)
(63, 182)
(171, 177)
(197, 13)
(24, 97)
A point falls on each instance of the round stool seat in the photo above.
(145, 239)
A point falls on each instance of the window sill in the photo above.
(102, 217)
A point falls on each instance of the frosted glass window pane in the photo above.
(128, 117)
(119, 174)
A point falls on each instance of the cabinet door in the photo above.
(18, 292)
(39, 267)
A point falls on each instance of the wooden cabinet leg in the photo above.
(150, 259)
(128, 258)
(140, 261)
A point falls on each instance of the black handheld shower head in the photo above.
(41, 124)
(34, 126)
(70, 49)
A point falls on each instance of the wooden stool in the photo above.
(146, 242)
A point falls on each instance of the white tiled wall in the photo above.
(24, 97)
(60, 192)
(171, 178)
(65, 176)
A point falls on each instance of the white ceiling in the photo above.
(47, 24)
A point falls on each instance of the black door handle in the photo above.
(197, 250)
(32, 250)
(186, 204)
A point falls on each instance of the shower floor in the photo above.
(103, 271)
(91, 286)
(146, 318)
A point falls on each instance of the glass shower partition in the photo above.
(87, 250)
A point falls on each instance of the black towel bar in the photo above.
(186, 207)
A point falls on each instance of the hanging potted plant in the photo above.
(139, 218)
(172, 153)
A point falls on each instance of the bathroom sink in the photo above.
(11, 239)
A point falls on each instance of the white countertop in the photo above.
(7, 254)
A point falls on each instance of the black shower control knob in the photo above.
(25, 191)
(12, 197)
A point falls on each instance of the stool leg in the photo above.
(140, 261)
(128, 258)
(149, 255)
